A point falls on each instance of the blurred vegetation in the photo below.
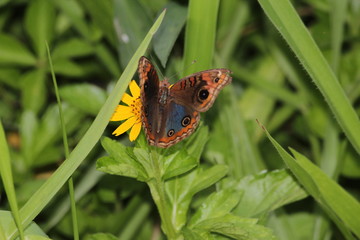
(276, 81)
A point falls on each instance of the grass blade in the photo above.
(341, 207)
(7, 178)
(287, 21)
(199, 27)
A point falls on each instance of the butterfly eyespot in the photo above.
(170, 132)
(203, 94)
(185, 121)
(216, 80)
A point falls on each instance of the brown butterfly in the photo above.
(170, 113)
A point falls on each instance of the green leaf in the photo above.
(100, 236)
(33, 90)
(7, 76)
(169, 31)
(120, 161)
(113, 166)
(266, 192)
(14, 52)
(235, 227)
(102, 13)
(189, 234)
(216, 205)
(39, 24)
(86, 97)
(68, 67)
(74, 12)
(72, 48)
(196, 143)
(29, 125)
(180, 190)
(294, 226)
(341, 207)
(178, 163)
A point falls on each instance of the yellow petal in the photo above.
(124, 126)
(134, 89)
(135, 131)
(121, 113)
(127, 99)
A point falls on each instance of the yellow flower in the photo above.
(131, 112)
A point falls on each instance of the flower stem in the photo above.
(157, 188)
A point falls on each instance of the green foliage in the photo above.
(295, 69)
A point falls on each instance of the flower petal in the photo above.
(135, 131)
(121, 113)
(134, 89)
(127, 99)
(124, 126)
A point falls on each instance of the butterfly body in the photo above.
(170, 113)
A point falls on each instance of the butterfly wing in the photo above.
(178, 123)
(149, 93)
(199, 90)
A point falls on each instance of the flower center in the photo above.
(136, 108)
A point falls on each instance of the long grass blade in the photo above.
(47, 191)
(286, 20)
(7, 178)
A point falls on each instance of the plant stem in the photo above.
(157, 188)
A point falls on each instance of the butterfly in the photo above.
(171, 113)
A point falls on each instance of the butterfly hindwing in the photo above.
(180, 122)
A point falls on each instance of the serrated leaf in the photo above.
(196, 143)
(121, 155)
(235, 227)
(178, 163)
(72, 48)
(190, 234)
(39, 24)
(112, 166)
(101, 236)
(14, 52)
(208, 177)
(216, 205)
(169, 31)
(86, 97)
(144, 158)
(180, 190)
(267, 191)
